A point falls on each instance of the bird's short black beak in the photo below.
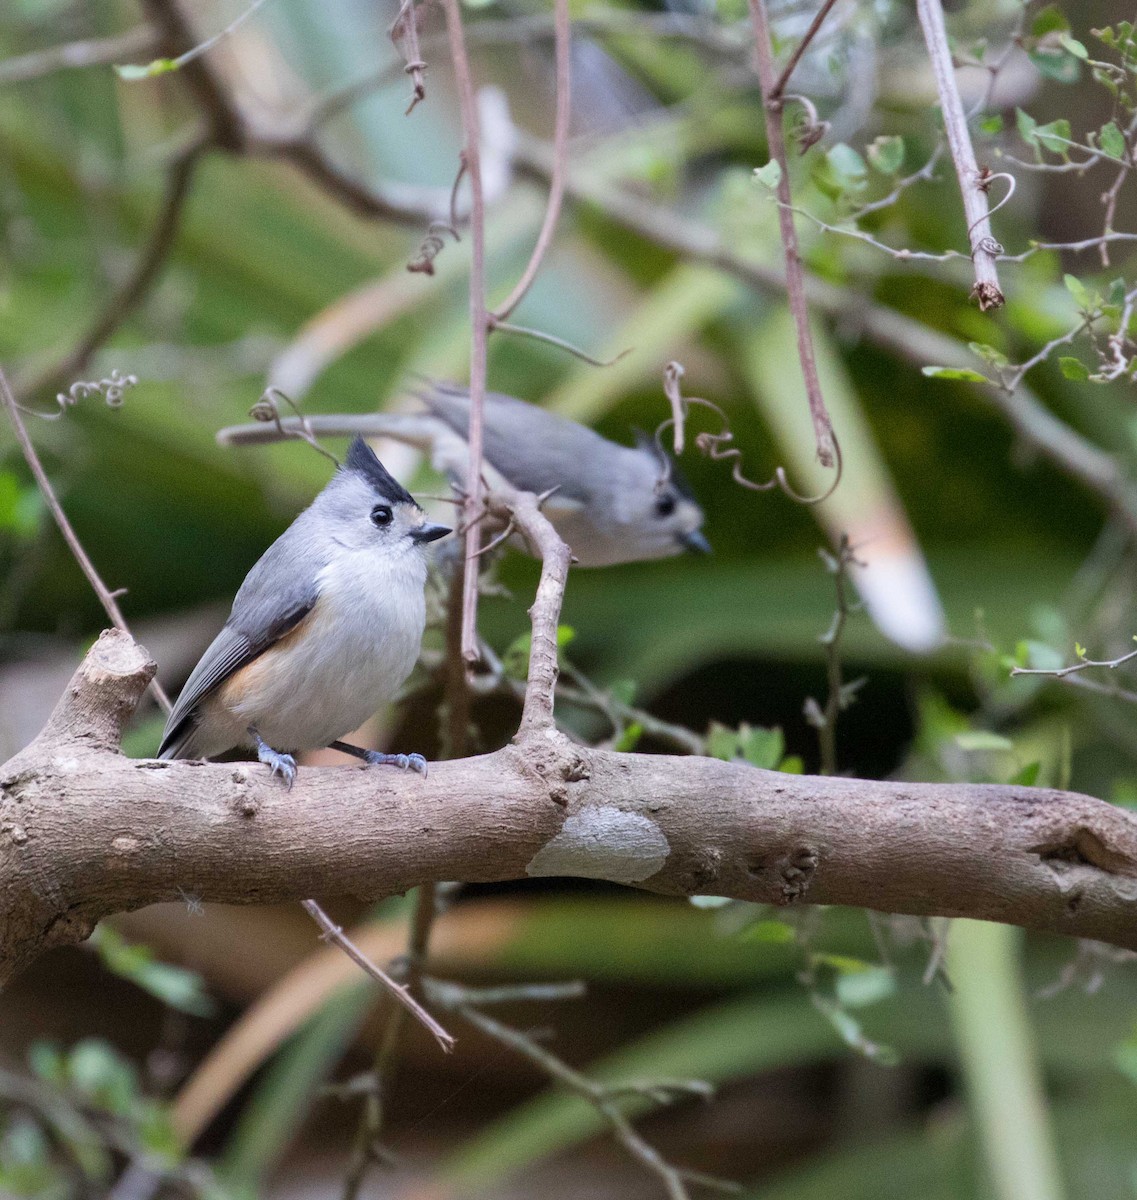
(429, 532)
(695, 542)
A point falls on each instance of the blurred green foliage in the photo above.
(1029, 566)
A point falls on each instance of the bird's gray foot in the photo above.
(278, 763)
(376, 758)
(405, 762)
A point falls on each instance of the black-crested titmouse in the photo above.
(610, 503)
(323, 632)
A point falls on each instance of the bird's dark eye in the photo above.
(381, 515)
(665, 505)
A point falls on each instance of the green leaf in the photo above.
(859, 989)
(983, 740)
(515, 660)
(1050, 19)
(792, 764)
(1073, 368)
(770, 175)
(1074, 47)
(160, 66)
(1027, 776)
(759, 747)
(770, 932)
(846, 161)
(104, 1079)
(886, 154)
(842, 964)
(849, 1029)
(1078, 290)
(175, 986)
(989, 354)
(762, 747)
(1112, 140)
(1054, 136)
(1057, 64)
(722, 742)
(1026, 125)
(991, 124)
(963, 373)
(629, 739)
(840, 171)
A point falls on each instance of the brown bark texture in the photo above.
(86, 832)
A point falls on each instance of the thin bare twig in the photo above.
(607, 1100)
(267, 409)
(105, 595)
(378, 1080)
(562, 52)
(1082, 665)
(717, 446)
(972, 182)
(92, 52)
(335, 934)
(552, 340)
(795, 285)
(840, 693)
(161, 66)
(479, 322)
(775, 93)
(405, 29)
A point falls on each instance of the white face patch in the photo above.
(603, 842)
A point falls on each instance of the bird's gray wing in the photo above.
(264, 610)
(534, 449)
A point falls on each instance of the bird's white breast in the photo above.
(348, 657)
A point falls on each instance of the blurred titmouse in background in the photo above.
(611, 503)
(324, 631)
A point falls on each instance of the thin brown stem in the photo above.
(776, 92)
(91, 52)
(608, 1100)
(972, 182)
(335, 934)
(562, 52)
(386, 1057)
(106, 595)
(405, 29)
(479, 322)
(795, 283)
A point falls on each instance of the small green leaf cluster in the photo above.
(765, 748)
(175, 986)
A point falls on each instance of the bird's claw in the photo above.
(405, 762)
(280, 764)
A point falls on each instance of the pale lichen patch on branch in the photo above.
(602, 842)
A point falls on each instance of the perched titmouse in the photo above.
(323, 632)
(611, 503)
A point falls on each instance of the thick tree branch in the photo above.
(85, 832)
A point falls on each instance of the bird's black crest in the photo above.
(361, 459)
